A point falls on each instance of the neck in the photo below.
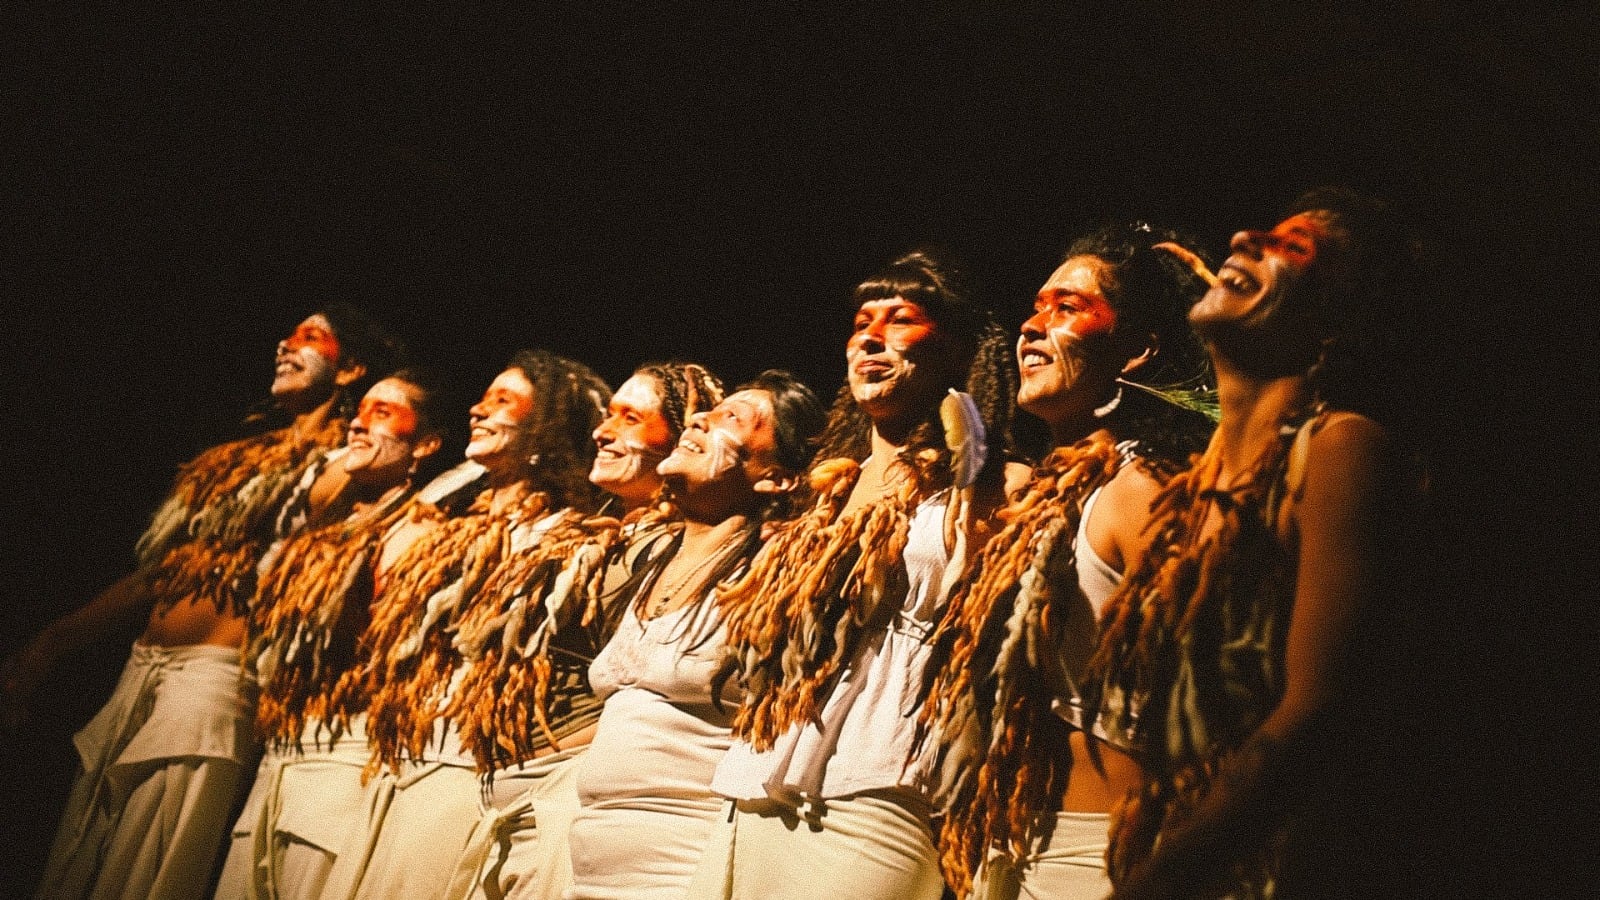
(310, 421)
(1069, 432)
(702, 536)
(1252, 409)
(505, 494)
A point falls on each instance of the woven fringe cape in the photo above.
(207, 537)
(1196, 634)
(408, 645)
(312, 605)
(998, 670)
(530, 606)
(793, 620)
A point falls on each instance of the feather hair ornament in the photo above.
(408, 643)
(1195, 639)
(997, 669)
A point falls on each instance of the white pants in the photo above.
(417, 825)
(164, 763)
(299, 813)
(518, 850)
(1070, 864)
(870, 846)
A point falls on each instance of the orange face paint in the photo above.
(316, 334)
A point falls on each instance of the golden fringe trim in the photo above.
(312, 606)
(1161, 639)
(228, 493)
(408, 642)
(506, 632)
(1000, 636)
(794, 618)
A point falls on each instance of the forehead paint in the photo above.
(315, 333)
(1296, 238)
(637, 393)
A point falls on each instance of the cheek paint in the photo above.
(314, 337)
(725, 451)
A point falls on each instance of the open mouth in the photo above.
(1032, 358)
(1236, 279)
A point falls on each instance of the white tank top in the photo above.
(867, 727)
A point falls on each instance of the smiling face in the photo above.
(1066, 355)
(1264, 269)
(306, 362)
(733, 445)
(384, 444)
(899, 360)
(501, 439)
(631, 441)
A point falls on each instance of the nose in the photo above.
(698, 420)
(1034, 327)
(869, 338)
(478, 411)
(604, 432)
(1248, 242)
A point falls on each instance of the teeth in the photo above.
(1034, 358)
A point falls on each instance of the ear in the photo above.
(1151, 344)
(776, 481)
(427, 447)
(349, 373)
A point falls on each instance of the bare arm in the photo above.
(124, 603)
(1340, 523)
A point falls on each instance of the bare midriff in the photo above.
(1097, 790)
(193, 622)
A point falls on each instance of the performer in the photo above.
(524, 707)
(1106, 360)
(1231, 640)
(311, 605)
(530, 440)
(645, 782)
(829, 628)
(164, 762)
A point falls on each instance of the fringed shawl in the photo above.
(794, 618)
(1195, 638)
(408, 644)
(204, 541)
(312, 605)
(1002, 670)
(543, 601)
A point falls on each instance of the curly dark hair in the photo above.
(1365, 302)
(1151, 291)
(365, 340)
(926, 278)
(568, 400)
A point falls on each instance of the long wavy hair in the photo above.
(568, 401)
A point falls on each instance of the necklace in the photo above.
(663, 598)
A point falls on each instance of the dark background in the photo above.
(182, 187)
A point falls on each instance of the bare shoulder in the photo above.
(1117, 523)
(1348, 449)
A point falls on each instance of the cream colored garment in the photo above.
(875, 846)
(866, 731)
(645, 783)
(1069, 865)
(298, 814)
(164, 762)
(518, 849)
(415, 829)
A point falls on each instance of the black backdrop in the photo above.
(182, 187)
